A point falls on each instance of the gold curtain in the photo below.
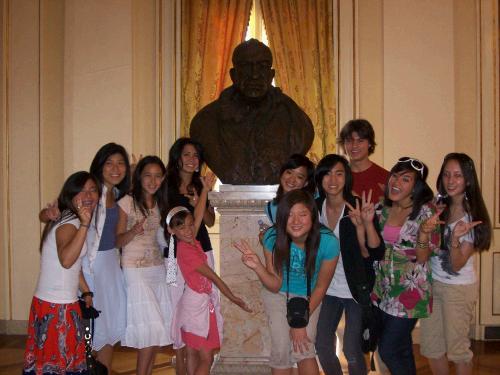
(300, 35)
(210, 31)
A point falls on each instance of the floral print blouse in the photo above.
(403, 285)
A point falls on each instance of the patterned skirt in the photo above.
(55, 344)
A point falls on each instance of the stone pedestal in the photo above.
(246, 344)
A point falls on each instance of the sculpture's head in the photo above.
(252, 72)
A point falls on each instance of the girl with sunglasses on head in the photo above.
(353, 221)
(402, 291)
(300, 259)
(467, 230)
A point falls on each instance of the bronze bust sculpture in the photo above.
(252, 128)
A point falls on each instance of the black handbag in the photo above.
(297, 308)
(94, 367)
(88, 312)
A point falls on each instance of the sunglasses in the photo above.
(415, 164)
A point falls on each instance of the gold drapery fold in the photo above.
(211, 29)
(300, 34)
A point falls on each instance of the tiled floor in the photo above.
(486, 360)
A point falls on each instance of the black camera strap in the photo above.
(288, 277)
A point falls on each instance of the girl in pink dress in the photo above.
(197, 320)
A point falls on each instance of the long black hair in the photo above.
(173, 177)
(473, 202)
(296, 161)
(100, 159)
(283, 240)
(71, 187)
(325, 165)
(136, 191)
(421, 193)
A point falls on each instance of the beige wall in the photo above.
(97, 79)
(83, 73)
(79, 74)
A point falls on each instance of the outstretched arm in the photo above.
(460, 252)
(266, 274)
(50, 212)
(200, 209)
(206, 271)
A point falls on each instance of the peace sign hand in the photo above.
(429, 225)
(462, 228)
(367, 207)
(249, 258)
(355, 214)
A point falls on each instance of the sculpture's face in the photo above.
(253, 74)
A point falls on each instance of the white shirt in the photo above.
(441, 262)
(55, 283)
(338, 286)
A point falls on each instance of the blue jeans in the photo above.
(329, 317)
(396, 346)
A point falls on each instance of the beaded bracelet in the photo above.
(422, 245)
(85, 294)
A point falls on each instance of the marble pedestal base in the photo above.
(246, 344)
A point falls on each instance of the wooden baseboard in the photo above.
(13, 327)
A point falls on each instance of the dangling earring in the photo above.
(197, 169)
(465, 196)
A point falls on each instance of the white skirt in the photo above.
(108, 284)
(149, 312)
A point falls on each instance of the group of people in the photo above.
(372, 237)
(109, 240)
(346, 235)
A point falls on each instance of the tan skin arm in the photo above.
(206, 271)
(50, 212)
(69, 240)
(209, 216)
(200, 208)
(194, 200)
(84, 288)
(423, 236)
(325, 276)
(266, 274)
(300, 340)
(461, 252)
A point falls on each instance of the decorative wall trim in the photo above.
(169, 73)
(13, 327)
